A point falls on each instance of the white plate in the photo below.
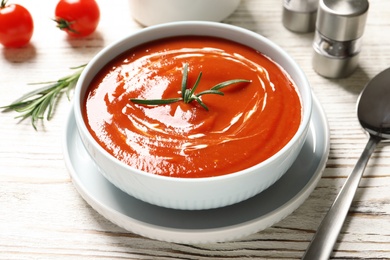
(205, 226)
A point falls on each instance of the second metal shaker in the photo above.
(337, 41)
(299, 15)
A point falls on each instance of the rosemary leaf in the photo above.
(52, 103)
(184, 79)
(27, 106)
(229, 82)
(195, 85)
(42, 107)
(210, 91)
(201, 102)
(23, 99)
(69, 88)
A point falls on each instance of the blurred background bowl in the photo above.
(152, 12)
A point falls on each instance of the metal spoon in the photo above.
(373, 112)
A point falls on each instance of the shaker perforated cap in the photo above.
(342, 20)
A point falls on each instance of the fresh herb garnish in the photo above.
(188, 94)
(40, 102)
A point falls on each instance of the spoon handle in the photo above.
(322, 244)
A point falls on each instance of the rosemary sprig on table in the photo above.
(188, 94)
(40, 102)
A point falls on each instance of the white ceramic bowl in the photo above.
(152, 12)
(195, 193)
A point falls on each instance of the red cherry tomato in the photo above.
(78, 18)
(16, 25)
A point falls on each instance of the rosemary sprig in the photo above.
(188, 94)
(40, 102)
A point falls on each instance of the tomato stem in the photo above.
(3, 3)
(63, 24)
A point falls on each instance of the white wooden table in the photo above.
(42, 216)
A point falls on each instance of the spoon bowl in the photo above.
(373, 112)
(374, 105)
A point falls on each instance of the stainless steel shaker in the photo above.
(337, 40)
(300, 15)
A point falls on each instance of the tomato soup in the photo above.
(248, 124)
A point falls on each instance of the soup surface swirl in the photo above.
(248, 124)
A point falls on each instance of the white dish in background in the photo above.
(203, 226)
(152, 12)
